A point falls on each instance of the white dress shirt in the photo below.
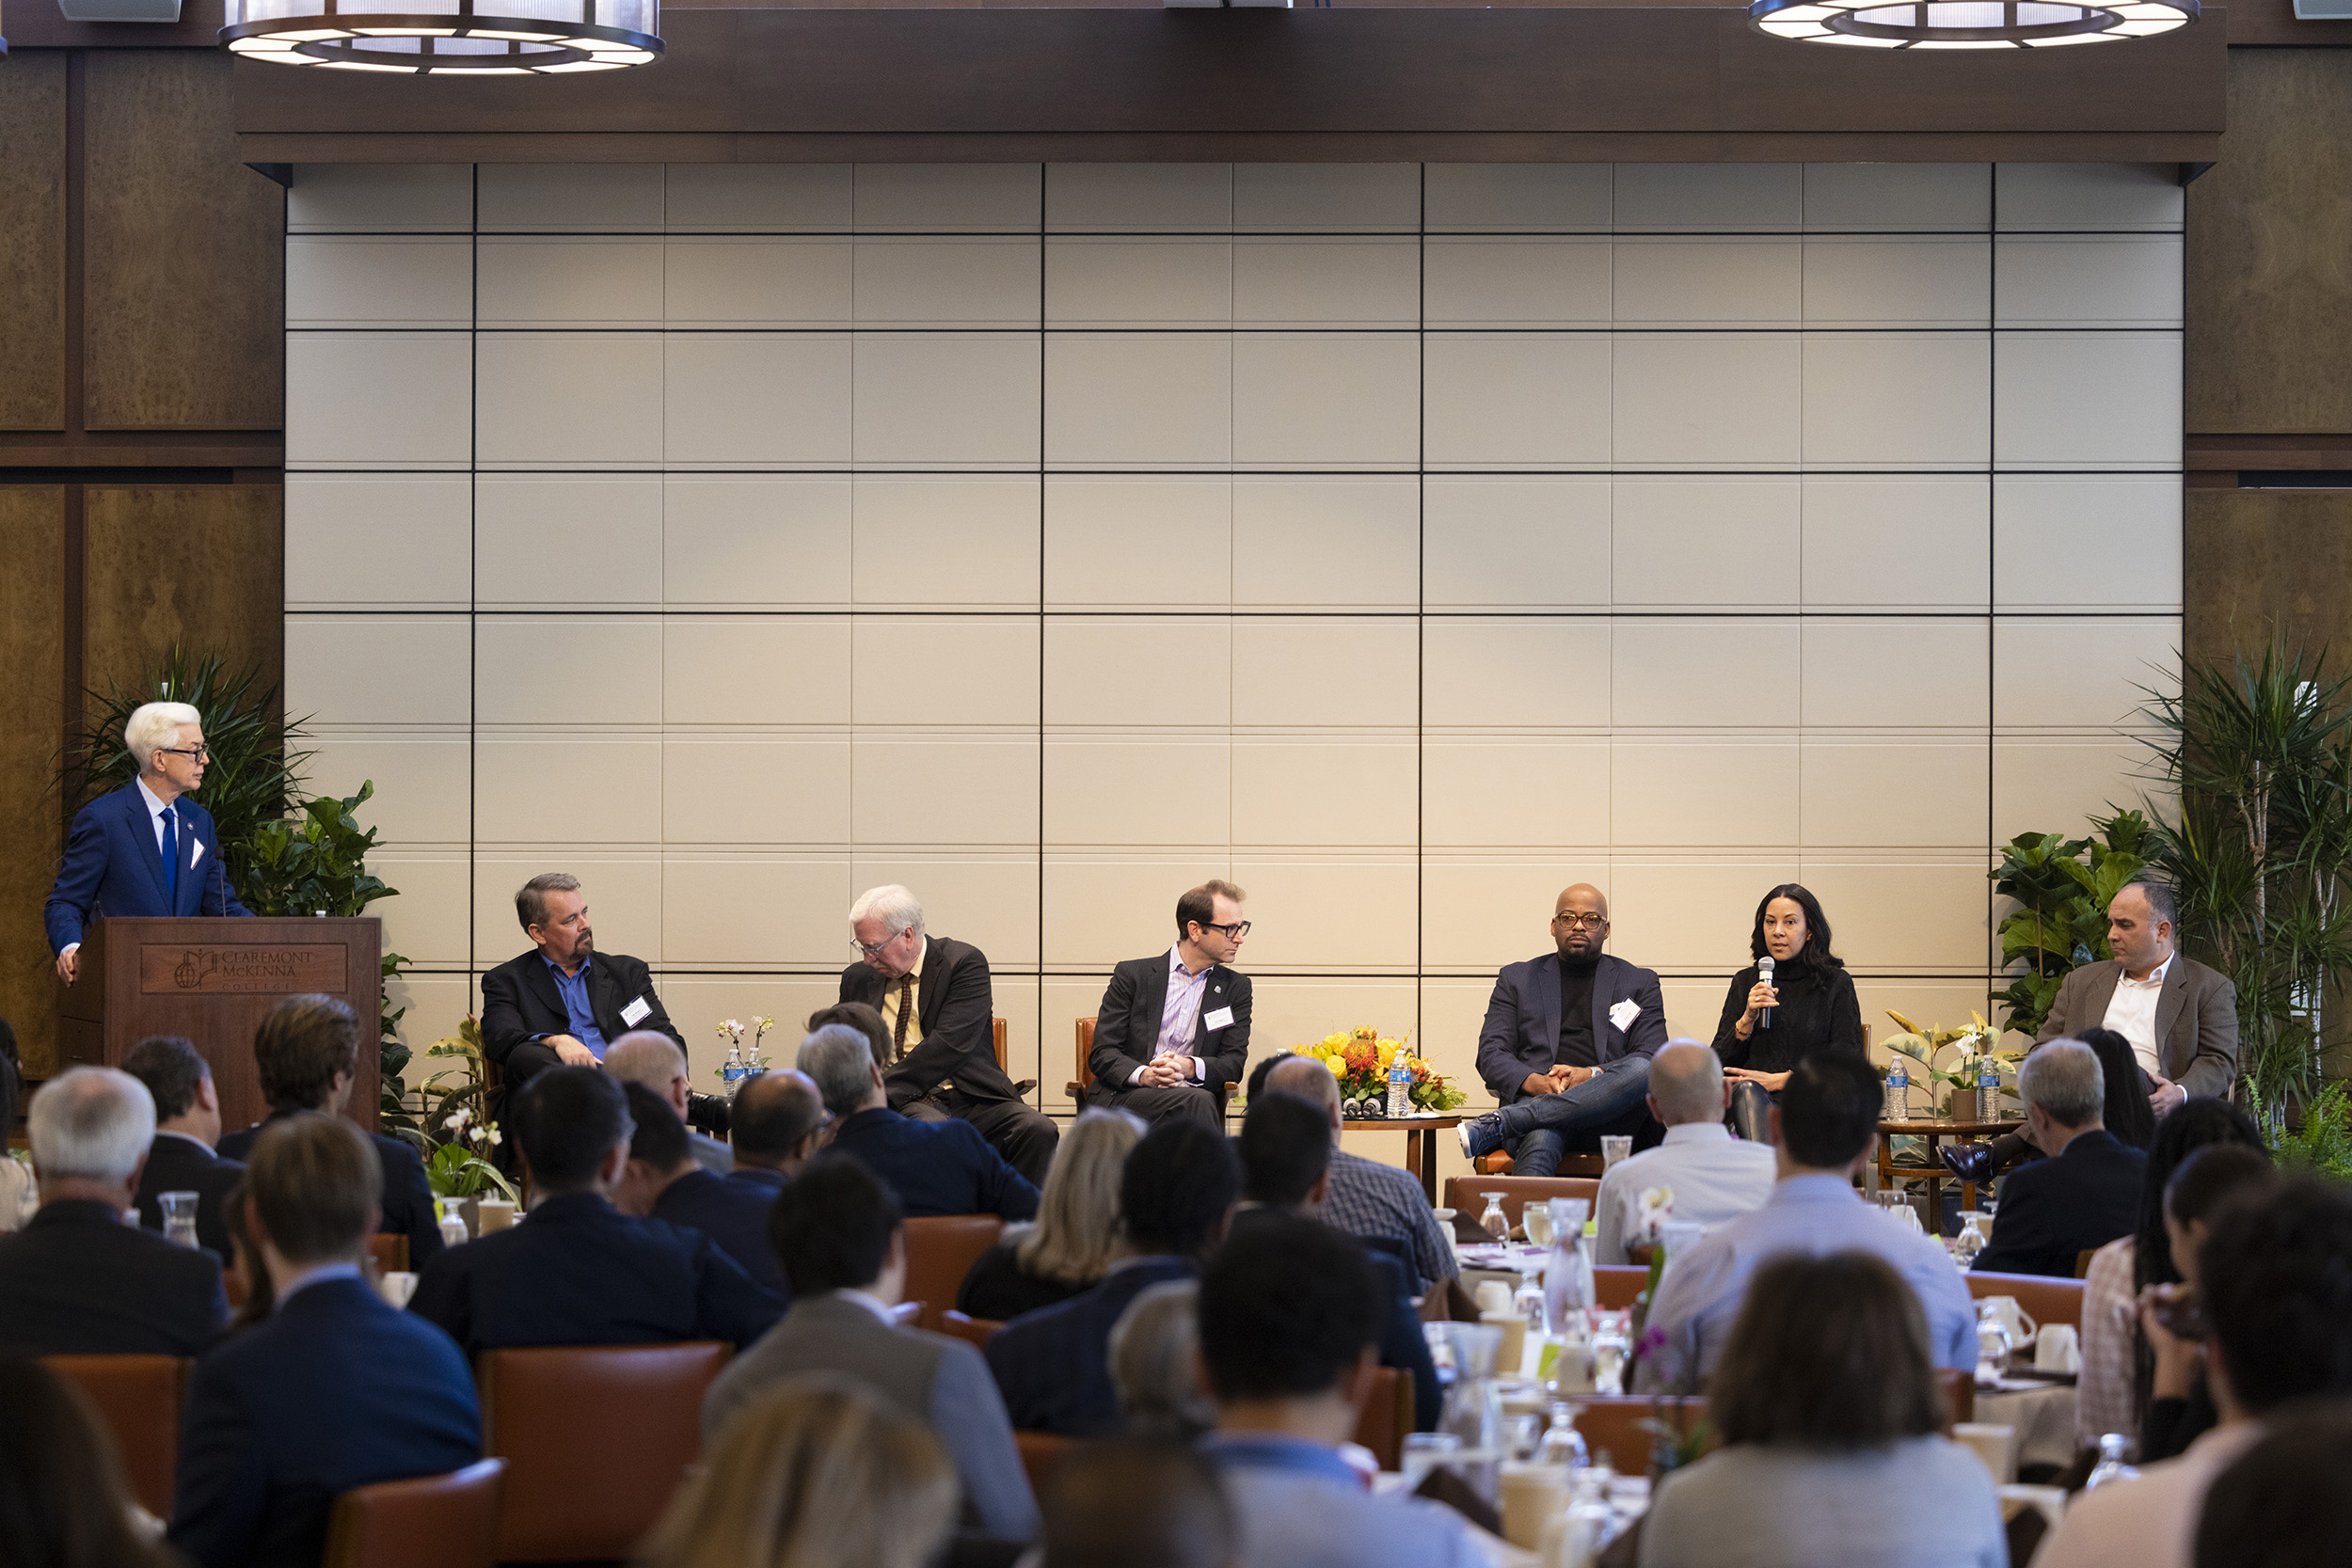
(1715, 1177)
(2132, 1013)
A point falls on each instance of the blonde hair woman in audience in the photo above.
(63, 1501)
(1076, 1236)
(817, 1475)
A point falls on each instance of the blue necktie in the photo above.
(171, 860)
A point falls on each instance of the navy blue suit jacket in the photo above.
(937, 1168)
(1053, 1365)
(577, 1271)
(77, 1281)
(2053, 1209)
(731, 1210)
(335, 1390)
(112, 866)
(409, 1206)
(1521, 1033)
(179, 1164)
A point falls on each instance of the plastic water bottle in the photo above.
(1400, 1087)
(731, 1075)
(1897, 1092)
(1988, 1089)
(2112, 1448)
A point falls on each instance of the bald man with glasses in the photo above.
(1173, 1029)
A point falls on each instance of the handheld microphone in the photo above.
(1764, 972)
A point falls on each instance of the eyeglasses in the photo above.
(1580, 921)
(868, 949)
(1234, 932)
(202, 753)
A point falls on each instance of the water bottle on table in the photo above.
(1400, 1087)
(1897, 1092)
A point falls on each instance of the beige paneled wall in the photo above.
(1402, 543)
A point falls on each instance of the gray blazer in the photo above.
(941, 1382)
(2196, 1019)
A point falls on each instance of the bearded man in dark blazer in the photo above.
(563, 1002)
(1172, 1035)
(939, 1007)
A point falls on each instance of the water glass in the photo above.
(1613, 1148)
(1611, 1341)
(1423, 1452)
(179, 1217)
(1536, 1217)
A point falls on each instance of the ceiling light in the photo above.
(444, 37)
(1967, 24)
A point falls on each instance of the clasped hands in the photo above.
(1166, 1070)
(1560, 1079)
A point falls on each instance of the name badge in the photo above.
(1624, 1012)
(636, 1012)
(1221, 1019)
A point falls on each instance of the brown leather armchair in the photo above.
(139, 1398)
(448, 1521)
(941, 1250)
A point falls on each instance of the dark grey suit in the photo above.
(929, 1377)
(2196, 1019)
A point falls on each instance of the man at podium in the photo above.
(144, 850)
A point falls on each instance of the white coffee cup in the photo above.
(2059, 1350)
(497, 1214)
(1995, 1445)
(397, 1287)
(2012, 1317)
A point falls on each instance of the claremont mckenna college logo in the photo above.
(244, 968)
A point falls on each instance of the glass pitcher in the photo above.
(1973, 1238)
(1568, 1273)
(1474, 1403)
(1494, 1222)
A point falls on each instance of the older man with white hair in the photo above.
(81, 1278)
(938, 1008)
(2086, 1193)
(655, 1062)
(937, 1165)
(1366, 1198)
(143, 850)
(1708, 1176)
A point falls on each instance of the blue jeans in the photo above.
(1537, 1130)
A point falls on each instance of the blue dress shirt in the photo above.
(1301, 1506)
(573, 989)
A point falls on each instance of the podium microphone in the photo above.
(1764, 972)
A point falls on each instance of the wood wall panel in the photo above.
(202, 564)
(32, 242)
(185, 253)
(2259, 562)
(32, 652)
(2269, 252)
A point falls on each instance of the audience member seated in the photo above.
(2086, 1193)
(1285, 1166)
(1075, 1239)
(843, 1241)
(1126, 1504)
(307, 1051)
(1825, 1129)
(820, 1474)
(338, 1390)
(2276, 1297)
(863, 1017)
(1288, 1313)
(1053, 1365)
(77, 1280)
(1827, 1407)
(63, 1500)
(18, 1197)
(2180, 1402)
(664, 1182)
(188, 1125)
(936, 1167)
(1366, 1198)
(657, 1063)
(2109, 1394)
(1155, 1366)
(577, 1271)
(1714, 1177)
(777, 1121)
(2128, 1115)
(2282, 1505)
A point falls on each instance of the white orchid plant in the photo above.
(455, 1135)
(731, 1032)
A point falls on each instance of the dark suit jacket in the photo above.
(2196, 1019)
(179, 1164)
(335, 1390)
(112, 866)
(1403, 1345)
(957, 1009)
(520, 1001)
(2054, 1210)
(1127, 1025)
(579, 1272)
(732, 1213)
(1053, 1365)
(937, 1168)
(408, 1208)
(77, 1281)
(1521, 1033)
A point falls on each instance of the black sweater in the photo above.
(1818, 1012)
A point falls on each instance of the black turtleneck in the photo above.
(1576, 1012)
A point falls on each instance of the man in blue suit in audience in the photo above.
(336, 1389)
(664, 1181)
(143, 850)
(579, 1272)
(936, 1167)
(2086, 1193)
(1176, 1193)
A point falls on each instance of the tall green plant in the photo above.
(2062, 887)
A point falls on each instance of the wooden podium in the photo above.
(212, 980)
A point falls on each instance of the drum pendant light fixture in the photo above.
(1967, 23)
(447, 37)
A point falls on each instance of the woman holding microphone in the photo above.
(1795, 1000)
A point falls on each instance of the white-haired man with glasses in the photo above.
(143, 850)
(1172, 1035)
(939, 1010)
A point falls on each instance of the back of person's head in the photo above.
(315, 1184)
(862, 1016)
(1285, 1149)
(2213, 1176)
(1155, 1365)
(63, 1500)
(172, 1069)
(832, 1224)
(1179, 1183)
(2192, 1126)
(1685, 1078)
(1829, 1111)
(1827, 1352)
(1255, 1085)
(303, 1044)
(2127, 1114)
(2062, 1079)
(90, 1124)
(773, 1113)
(244, 1264)
(659, 1140)
(2283, 1503)
(841, 1061)
(1304, 1076)
(643, 1056)
(1078, 1231)
(1286, 1309)
(818, 1474)
(2275, 1279)
(1125, 1503)
(571, 1120)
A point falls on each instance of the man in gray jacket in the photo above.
(2180, 1017)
